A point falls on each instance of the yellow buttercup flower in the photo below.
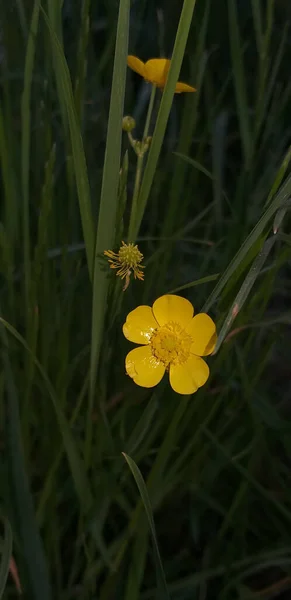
(156, 71)
(127, 260)
(172, 340)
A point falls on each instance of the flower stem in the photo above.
(138, 173)
(149, 113)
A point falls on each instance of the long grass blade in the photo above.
(244, 291)
(76, 464)
(25, 146)
(31, 542)
(280, 198)
(6, 553)
(109, 192)
(79, 159)
(165, 107)
(163, 590)
(239, 80)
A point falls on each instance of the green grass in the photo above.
(109, 490)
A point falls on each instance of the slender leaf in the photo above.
(6, 554)
(32, 546)
(252, 239)
(109, 192)
(25, 145)
(239, 80)
(165, 107)
(163, 590)
(79, 159)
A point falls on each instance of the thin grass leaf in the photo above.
(186, 286)
(164, 110)
(187, 585)
(247, 475)
(258, 26)
(25, 147)
(268, 79)
(279, 176)
(189, 122)
(163, 590)
(244, 291)
(250, 241)
(80, 81)
(197, 165)
(6, 553)
(122, 199)
(76, 464)
(239, 81)
(31, 543)
(219, 160)
(11, 198)
(109, 192)
(79, 159)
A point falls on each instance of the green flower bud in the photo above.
(128, 124)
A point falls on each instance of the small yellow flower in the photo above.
(172, 340)
(127, 260)
(156, 71)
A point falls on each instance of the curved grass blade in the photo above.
(244, 291)
(163, 590)
(76, 464)
(31, 542)
(194, 283)
(6, 553)
(197, 165)
(253, 238)
(79, 159)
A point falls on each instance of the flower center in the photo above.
(171, 344)
(129, 254)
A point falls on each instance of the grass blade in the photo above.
(109, 192)
(239, 80)
(78, 471)
(6, 556)
(250, 241)
(163, 590)
(165, 107)
(186, 286)
(25, 146)
(79, 159)
(245, 289)
(31, 542)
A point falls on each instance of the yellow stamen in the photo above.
(171, 344)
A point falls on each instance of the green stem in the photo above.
(149, 113)
(138, 173)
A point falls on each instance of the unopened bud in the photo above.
(128, 124)
(146, 143)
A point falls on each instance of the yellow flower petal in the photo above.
(156, 71)
(173, 308)
(136, 65)
(143, 367)
(183, 87)
(140, 324)
(203, 331)
(189, 376)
